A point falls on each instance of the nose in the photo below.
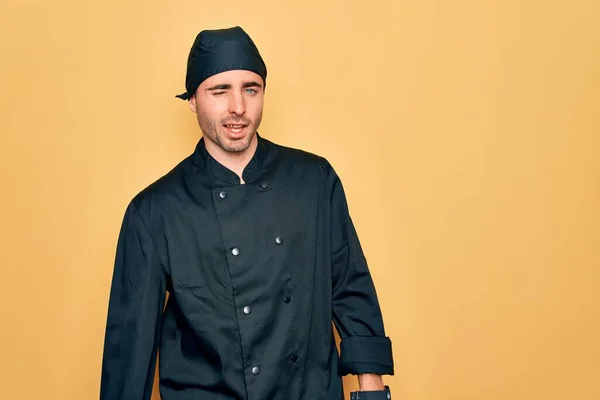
(237, 104)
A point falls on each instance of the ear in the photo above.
(192, 103)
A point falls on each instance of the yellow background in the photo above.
(466, 134)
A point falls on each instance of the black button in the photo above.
(255, 371)
(264, 184)
(247, 310)
(278, 240)
(287, 299)
(223, 195)
(294, 358)
(235, 251)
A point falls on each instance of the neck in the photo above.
(235, 161)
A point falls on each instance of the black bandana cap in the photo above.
(220, 50)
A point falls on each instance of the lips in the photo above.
(234, 128)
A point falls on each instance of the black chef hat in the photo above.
(220, 50)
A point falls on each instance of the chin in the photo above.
(237, 145)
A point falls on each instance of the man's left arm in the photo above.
(365, 350)
(368, 382)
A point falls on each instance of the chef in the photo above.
(255, 246)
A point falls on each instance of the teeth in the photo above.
(234, 128)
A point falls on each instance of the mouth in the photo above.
(235, 128)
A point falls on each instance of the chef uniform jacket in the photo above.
(255, 272)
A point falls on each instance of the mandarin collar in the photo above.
(202, 159)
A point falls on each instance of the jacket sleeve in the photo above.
(135, 306)
(364, 347)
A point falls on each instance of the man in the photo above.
(256, 247)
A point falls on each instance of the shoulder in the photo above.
(161, 191)
(300, 158)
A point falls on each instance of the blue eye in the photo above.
(251, 91)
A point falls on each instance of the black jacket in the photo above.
(256, 273)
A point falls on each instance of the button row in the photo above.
(256, 370)
(236, 252)
(263, 185)
(247, 309)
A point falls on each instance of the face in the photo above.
(229, 109)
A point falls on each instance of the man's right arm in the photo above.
(136, 302)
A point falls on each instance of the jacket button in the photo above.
(255, 371)
(223, 195)
(264, 184)
(235, 251)
(247, 310)
(287, 299)
(278, 240)
(294, 358)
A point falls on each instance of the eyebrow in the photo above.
(227, 86)
(221, 86)
(251, 84)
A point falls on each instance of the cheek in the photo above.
(207, 122)
(210, 113)
(255, 110)
(212, 107)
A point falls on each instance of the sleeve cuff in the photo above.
(366, 355)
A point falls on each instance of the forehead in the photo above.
(233, 77)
